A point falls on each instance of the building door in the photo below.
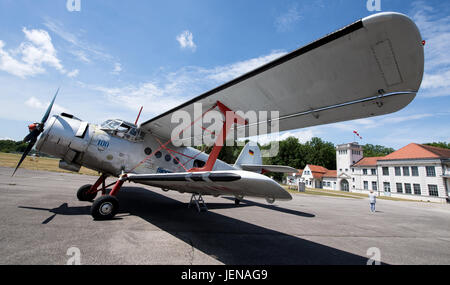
(344, 185)
(387, 188)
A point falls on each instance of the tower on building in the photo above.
(346, 155)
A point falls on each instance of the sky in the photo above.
(109, 57)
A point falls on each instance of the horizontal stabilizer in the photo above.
(268, 168)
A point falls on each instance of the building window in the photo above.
(417, 189)
(405, 171)
(431, 172)
(433, 190)
(414, 171)
(353, 179)
(399, 188)
(366, 185)
(365, 171)
(373, 171)
(374, 186)
(386, 171)
(387, 186)
(353, 170)
(398, 171)
(407, 188)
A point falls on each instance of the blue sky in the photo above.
(113, 56)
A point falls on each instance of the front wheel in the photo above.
(105, 208)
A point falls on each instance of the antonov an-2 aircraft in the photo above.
(369, 68)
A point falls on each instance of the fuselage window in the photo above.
(148, 151)
(158, 154)
(167, 157)
(176, 160)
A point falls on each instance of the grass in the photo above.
(335, 193)
(320, 192)
(38, 163)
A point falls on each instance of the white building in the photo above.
(315, 176)
(416, 172)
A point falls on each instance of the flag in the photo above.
(356, 133)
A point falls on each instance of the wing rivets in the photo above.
(379, 102)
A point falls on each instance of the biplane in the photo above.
(369, 68)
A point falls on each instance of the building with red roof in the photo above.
(416, 171)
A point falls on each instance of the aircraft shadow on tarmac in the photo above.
(229, 240)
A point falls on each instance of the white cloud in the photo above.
(387, 120)
(171, 89)
(31, 56)
(186, 40)
(73, 73)
(35, 103)
(228, 72)
(434, 25)
(285, 21)
(82, 49)
(117, 68)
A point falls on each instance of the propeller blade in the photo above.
(35, 130)
(33, 135)
(25, 153)
(49, 109)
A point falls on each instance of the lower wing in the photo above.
(216, 183)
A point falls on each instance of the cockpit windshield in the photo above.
(122, 129)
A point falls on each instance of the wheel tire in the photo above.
(83, 195)
(237, 201)
(105, 207)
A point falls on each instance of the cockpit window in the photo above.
(133, 132)
(111, 125)
(122, 129)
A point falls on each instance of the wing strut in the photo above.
(230, 118)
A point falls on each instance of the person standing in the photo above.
(372, 200)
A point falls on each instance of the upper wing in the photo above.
(369, 68)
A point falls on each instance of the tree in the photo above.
(439, 144)
(376, 150)
(321, 153)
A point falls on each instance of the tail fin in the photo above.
(250, 154)
(250, 160)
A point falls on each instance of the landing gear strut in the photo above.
(197, 200)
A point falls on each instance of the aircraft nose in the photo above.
(61, 135)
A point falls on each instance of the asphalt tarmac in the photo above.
(42, 222)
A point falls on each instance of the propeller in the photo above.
(35, 130)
